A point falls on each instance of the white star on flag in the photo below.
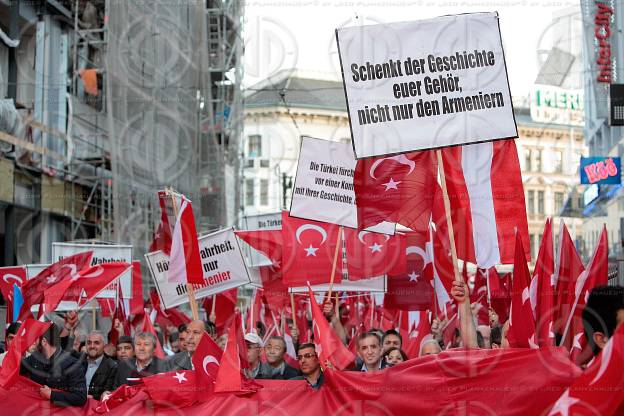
(577, 341)
(532, 343)
(375, 247)
(51, 279)
(562, 406)
(310, 251)
(413, 276)
(275, 264)
(525, 295)
(391, 184)
(180, 377)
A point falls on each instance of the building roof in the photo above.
(297, 90)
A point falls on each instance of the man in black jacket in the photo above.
(276, 368)
(101, 370)
(62, 376)
(144, 363)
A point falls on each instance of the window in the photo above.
(531, 202)
(249, 163)
(264, 163)
(527, 160)
(255, 145)
(558, 161)
(540, 202)
(533, 243)
(264, 192)
(249, 192)
(558, 202)
(538, 160)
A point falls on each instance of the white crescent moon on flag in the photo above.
(417, 250)
(362, 233)
(402, 159)
(207, 360)
(99, 270)
(314, 227)
(13, 277)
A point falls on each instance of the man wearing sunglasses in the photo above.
(310, 366)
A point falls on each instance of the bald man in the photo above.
(182, 360)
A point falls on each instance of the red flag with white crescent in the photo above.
(372, 254)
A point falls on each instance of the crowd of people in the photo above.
(71, 368)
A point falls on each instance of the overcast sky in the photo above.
(297, 33)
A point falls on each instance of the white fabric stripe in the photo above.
(177, 259)
(477, 166)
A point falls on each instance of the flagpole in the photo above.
(292, 309)
(190, 291)
(447, 211)
(487, 282)
(214, 304)
(333, 272)
(252, 324)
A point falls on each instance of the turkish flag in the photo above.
(600, 389)
(149, 327)
(206, 361)
(174, 388)
(8, 277)
(184, 261)
(35, 289)
(521, 332)
(137, 302)
(479, 294)
(328, 345)
(28, 333)
(224, 308)
(90, 281)
(268, 242)
(542, 289)
(485, 188)
(569, 268)
(420, 328)
(395, 189)
(500, 293)
(308, 252)
(411, 290)
(595, 275)
(162, 238)
(372, 254)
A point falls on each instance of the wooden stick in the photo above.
(487, 284)
(93, 317)
(190, 291)
(252, 324)
(372, 318)
(333, 272)
(214, 305)
(449, 222)
(337, 309)
(292, 309)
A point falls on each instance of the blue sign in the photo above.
(601, 170)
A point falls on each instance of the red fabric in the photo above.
(521, 321)
(162, 239)
(600, 389)
(595, 275)
(411, 290)
(544, 284)
(184, 260)
(372, 254)
(500, 293)
(479, 295)
(34, 290)
(8, 277)
(308, 251)
(136, 302)
(268, 242)
(148, 327)
(224, 308)
(25, 337)
(90, 281)
(396, 189)
(206, 361)
(328, 345)
(172, 389)
(420, 329)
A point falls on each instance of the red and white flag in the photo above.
(372, 254)
(8, 277)
(420, 327)
(329, 347)
(395, 189)
(308, 251)
(34, 290)
(268, 242)
(206, 359)
(149, 327)
(28, 333)
(521, 332)
(184, 261)
(485, 187)
(542, 289)
(137, 302)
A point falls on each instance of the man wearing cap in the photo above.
(254, 349)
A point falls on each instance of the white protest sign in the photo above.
(425, 84)
(222, 264)
(259, 222)
(323, 189)
(102, 253)
(376, 284)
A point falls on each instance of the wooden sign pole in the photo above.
(333, 272)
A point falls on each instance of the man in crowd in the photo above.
(125, 348)
(182, 338)
(174, 342)
(101, 370)
(9, 334)
(275, 367)
(603, 313)
(144, 363)
(391, 339)
(369, 349)
(310, 366)
(182, 360)
(254, 349)
(62, 377)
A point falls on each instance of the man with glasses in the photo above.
(275, 367)
(310, 366)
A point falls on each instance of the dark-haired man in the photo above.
(9, 334)
(369, 349)
(391, 339)
(125, 348)
(603, 312)
(310, 366)
(62, 376)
